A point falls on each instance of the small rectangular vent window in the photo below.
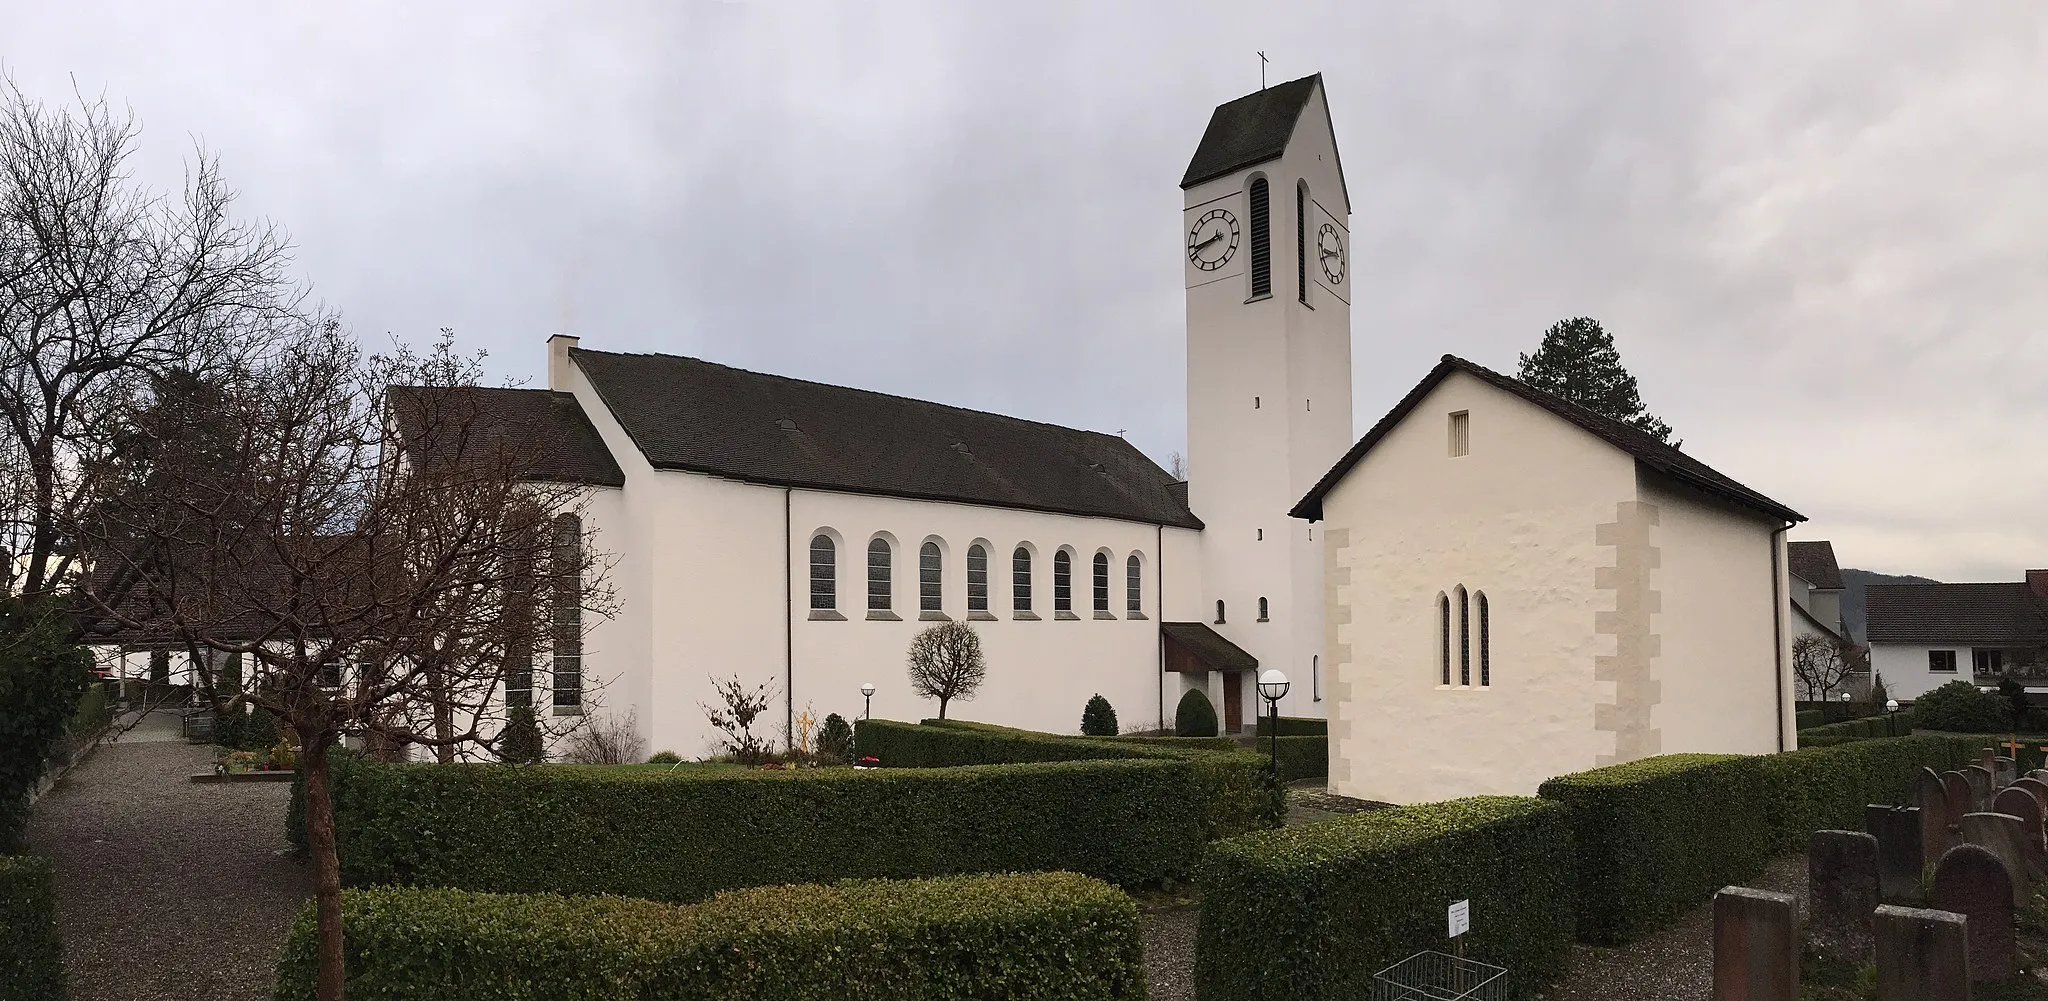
(1461, 433)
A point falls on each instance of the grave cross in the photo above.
(2012, 743)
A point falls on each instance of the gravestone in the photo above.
(1987, 758)
(1756, 945)
(1922, 955)
(2035, 786)
(1901, 848)
(2004, 770)
(1841, 876)
(1981, 787)
(1972, 882)
(2004, 836)
(2039, 773)
(1931, 796)
(1958, 786)
(2022, 804)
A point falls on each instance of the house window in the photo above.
(1062, 581)
(1464, 638)
(977, 578)
(824, 573)
(330, 672)
(1989, 661)
(1443, 648)
(1301, 240)
(1941, 661)
(159, 667)
(1020, 580)
(1134, 579)
(878, 575)
(930, 589)
(1263, 617)
(1262, 238)
(568, 610)
(1461, 433)
(1485, 642)
(1099, 580)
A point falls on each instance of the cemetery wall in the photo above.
(31, 955)
(1052, 936)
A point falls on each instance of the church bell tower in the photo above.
(1266, 223)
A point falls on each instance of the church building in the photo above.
(799, 534)
(1519, 588)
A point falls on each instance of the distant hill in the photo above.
(1853, 583)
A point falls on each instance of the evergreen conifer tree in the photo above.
(1098, 719)
(1578, 362)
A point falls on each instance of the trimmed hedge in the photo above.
(1048, 936)
(1233, 799)
(682, 835)
(1826, 788)
(1303, 757)
(1867, 728)
(1807, 719)
(1312, 912)
(31, 954)
(1294, 726)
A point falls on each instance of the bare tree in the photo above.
(1818, 665)
(611, 740)
(368, 511)
(739, 706)
(946, 663)
(1177, 464)
(102, 285)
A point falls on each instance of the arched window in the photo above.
(568, 610)
(1443, 650)
(1315, 678)
(1464, 638)
(1301, 239)
(1263, 617)
(1100, 582)
(878, 575)
(1485, 642)
(930, 582)
(1219, 611)
(1020, 580)
(977, 578)
(1062, 582)
(1262, 238)
(521, 611)
(1134, 585)
(824, 573)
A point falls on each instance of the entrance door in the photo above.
(1233, 701)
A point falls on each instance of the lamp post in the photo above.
(867, 693)
(1891, 715)
(1273, 687)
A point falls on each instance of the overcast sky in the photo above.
(1819, 233)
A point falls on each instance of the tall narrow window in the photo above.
(1485, 645)
(1219, 611)
(1315, 678)
(567, 574)
(931, 590)
(1301, 239)
(1263, 614)
(520, 609)
(1443, 647)
(1461, 434)
(878, 575)
(1134, 585)
(1062, 582)
(977, 578)
(159, 667)
(1262, 238)
(824, 573)
(1464, 638)
(1020, 580)
(1099, 579)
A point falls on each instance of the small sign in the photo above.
(1461, 918)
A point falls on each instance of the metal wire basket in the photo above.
(1435, 976)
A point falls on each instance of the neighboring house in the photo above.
(1520, 588)
(799, 534)
(1815, 590)
(1923, 636)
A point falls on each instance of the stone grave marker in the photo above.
(1922, 955)
(1972, 882)
(1931, 796)
(2022, 804)
(1756, 945)
(1901, 850)
(2004, 771)
(2004, 836)
(2035, 786)
(1841, 875)
(1981, 787)
(2039, 773)
(1959, 794)
(1986, 758)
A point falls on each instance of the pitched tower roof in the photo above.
(1250, 130)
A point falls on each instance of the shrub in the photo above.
(1194, 717)
(1807, 719)
(1303, 757)
(835, 738)
(31, 955)
(607, 740)
(2015, 696)
(520, 743)
(1051, 936)
(41, 680)
(1098, 718)
(682, 835)
(1294, 726)
(1960, 707)
(238, 730)
(664, 758)
(1312, 912)
(1826, 788)
(95, 713)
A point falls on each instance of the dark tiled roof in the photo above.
(1814, 563)
(549, 429)
(1208, 644)
(1250, 130)
(693, 415)
(2000, 615)
(1645, 449)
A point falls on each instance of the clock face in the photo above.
(1330, 244)
(1213, 240)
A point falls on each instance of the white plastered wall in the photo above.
(1904, 668)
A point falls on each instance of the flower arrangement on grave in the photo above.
(237, 762)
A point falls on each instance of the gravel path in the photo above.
(167, 889)
(1170, 953)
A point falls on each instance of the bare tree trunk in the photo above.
(444, 716)
(942, 707)
(327, 864)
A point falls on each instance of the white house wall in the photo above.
(1904, 668)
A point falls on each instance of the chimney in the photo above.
(2037, 581)
(559, 346)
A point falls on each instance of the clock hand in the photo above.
(1205, 243)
